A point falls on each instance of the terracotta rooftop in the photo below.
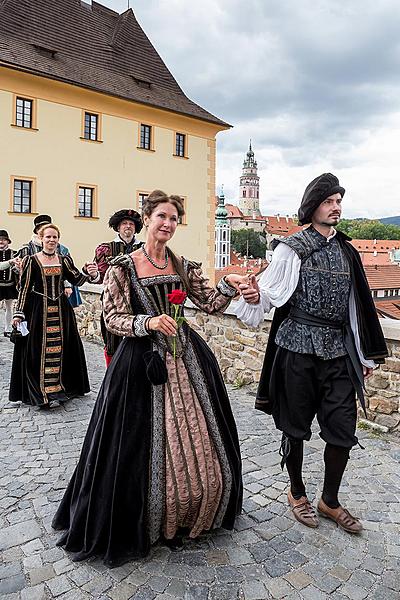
(234, 211)
(389, 309)
(381, 277)
(92, 47)
(376, 245)
(380, 258)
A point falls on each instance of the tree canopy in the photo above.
(364, 229)
(247, 242)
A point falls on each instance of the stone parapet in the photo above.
(240, 352)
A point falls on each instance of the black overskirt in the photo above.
(105, 506)
(26, 365)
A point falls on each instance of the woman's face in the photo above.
(50, 239)
(162, 223)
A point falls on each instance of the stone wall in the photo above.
(240, 352)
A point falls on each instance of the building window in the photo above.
(22, 196)
(244, 193)
(86, 201)
(24, 112)
(180, 144)
(145, 137)
(91, 130)
(141, 197)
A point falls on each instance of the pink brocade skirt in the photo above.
(194, 480)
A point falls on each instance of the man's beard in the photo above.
(127, 238)
(331, 221)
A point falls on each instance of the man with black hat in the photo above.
(126, 222)
(325, 338)
(8, 279)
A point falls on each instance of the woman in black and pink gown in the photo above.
(159, 459)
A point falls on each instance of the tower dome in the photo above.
(249, 188)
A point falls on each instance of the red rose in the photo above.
(177, 297)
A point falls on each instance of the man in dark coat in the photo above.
(325, 340)
(126, 223)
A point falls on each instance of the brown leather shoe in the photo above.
(303, 511)
(341, 516)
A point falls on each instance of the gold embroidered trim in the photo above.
(52, 270)
(52, 388)
(53, 349)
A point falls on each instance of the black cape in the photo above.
(372, 340)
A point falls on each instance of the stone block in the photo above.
(387, 406)
(19, 534)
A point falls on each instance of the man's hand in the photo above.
(367, 371)
(250, 291)
(68, 291)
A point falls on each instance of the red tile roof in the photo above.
(234, 211)
(375, 245)
(389, 309)
(95, 48)
(381, 277)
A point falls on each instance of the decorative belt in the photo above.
(48, 297)
(353, 361)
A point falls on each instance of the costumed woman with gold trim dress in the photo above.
(161, 456)
(49, 363)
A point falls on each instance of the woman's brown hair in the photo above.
(159, 197)
(149, 205)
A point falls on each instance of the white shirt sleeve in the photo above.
(277, 284)
(354, 326)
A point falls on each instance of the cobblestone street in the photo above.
(269, 555)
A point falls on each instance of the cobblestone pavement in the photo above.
(269, 555)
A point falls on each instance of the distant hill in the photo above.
(390, 220)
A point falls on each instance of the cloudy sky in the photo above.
(315, 84)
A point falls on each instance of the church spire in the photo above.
(222, 234)
(249, 189)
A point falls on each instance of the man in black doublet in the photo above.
(325, 339)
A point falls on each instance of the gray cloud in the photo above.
(311, 82)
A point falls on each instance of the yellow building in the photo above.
(91, 120)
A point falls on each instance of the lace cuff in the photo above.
(139, 325)
(225, 288)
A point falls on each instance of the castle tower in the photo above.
(222, 234)
(249, 190)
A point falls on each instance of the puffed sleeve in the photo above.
(24, 288)
(277, 284)
(205, 297)
(117, 309)
(102, 256)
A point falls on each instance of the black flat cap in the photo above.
(317, 191)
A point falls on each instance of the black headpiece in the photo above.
(316, 192)
(4, 234)
(39, 221)
(126, 213)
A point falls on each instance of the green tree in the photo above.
(364, 229)
(247, 242)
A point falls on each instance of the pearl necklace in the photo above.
(161, 267)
